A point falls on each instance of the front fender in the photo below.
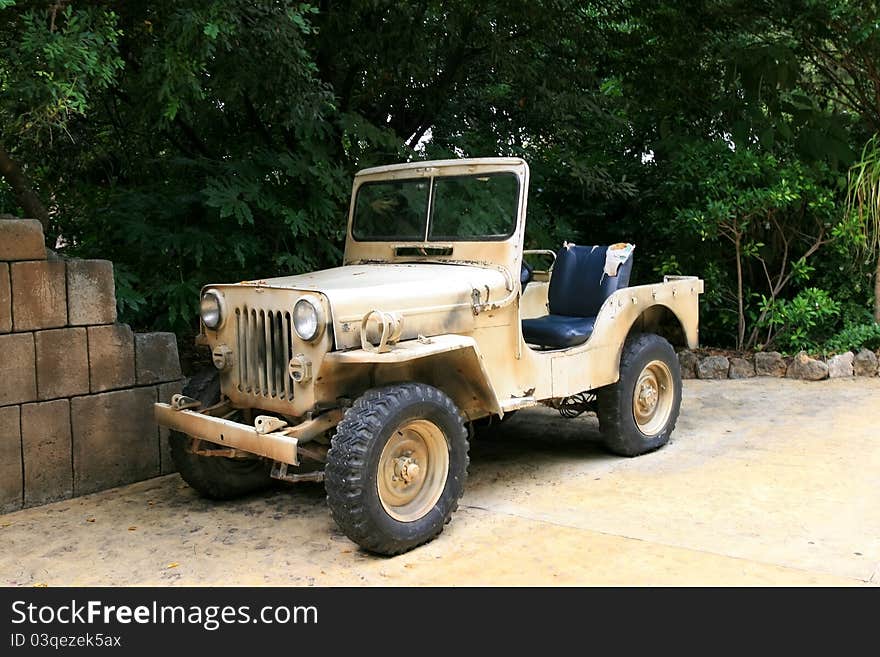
(452, 363)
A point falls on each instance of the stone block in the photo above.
(806, 368)
(62, 363)
(166, 390)
(10, 459)
(865, 363)
(45, 439)
(91, 292)
(156, 358)
(841, 365)
(688, 361)
(713, 367)
(770, 363)
(115, 439)
(111, 357)
(5, 299)
(39, 295)
(741, 368)
(18, 380)
(21, 239)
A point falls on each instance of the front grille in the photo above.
(265, 347)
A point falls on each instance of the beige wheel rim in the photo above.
(412, 470)
(653, 397)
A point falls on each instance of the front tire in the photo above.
(215, 477)
(638, 413)
(397, 467)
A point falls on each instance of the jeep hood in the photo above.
(431, 298)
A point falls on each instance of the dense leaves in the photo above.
(213, 140)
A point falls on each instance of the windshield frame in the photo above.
(432, 180)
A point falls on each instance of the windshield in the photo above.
(463, 208)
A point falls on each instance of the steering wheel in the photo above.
(525, 274)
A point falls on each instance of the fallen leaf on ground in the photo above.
(173, 564)
(90, 520)
(132, 528)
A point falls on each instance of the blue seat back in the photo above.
(579, 286)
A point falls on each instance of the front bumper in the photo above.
(280, 445)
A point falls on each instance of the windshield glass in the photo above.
(474, 207)
(463, 208)
(393, 210)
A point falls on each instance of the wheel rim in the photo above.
(412, 470)
(653, 397)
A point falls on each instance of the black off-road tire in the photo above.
(352, 472)
(615, 407)
(215, 477)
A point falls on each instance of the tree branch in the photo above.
(23, 189)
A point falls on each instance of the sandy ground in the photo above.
(765, 482)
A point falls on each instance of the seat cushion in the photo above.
(557, 331)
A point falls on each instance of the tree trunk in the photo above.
(741, 324)
(24, 192)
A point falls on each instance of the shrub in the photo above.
(855, 337)
(799, 323)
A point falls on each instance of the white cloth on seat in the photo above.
(615, 256)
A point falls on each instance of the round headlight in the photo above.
(210, 309)
(307, 319)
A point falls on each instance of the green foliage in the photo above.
(798, 323)
(196, 141)
(863, 208)
(855, 337)
(764, 215)
(51, 74)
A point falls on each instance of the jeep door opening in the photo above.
(366, 376)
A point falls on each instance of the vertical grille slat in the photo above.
(239, 339)
(261, 352)
(267, 358)
(253, 369)
(279, 350)
(285, 333)
(264, 346)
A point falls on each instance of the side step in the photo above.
(516, 403)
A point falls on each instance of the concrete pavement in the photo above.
(766, 481)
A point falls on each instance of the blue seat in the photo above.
(578, 288)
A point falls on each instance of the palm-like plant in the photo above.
(863, 202)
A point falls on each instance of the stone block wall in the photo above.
(865, 363)
(76, 387)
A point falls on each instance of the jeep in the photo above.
(370, 376)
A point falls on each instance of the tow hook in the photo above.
(181, 402)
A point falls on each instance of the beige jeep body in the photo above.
(446, 314)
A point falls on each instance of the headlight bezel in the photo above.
(218, 309)
(317, 309)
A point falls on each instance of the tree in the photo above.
(53, 62)
(863, 202)
(206, 140)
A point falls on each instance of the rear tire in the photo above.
(397, 467)
(215, 477)
(638, 413)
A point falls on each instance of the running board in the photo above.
(516, 403)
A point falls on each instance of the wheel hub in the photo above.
(653, 398)
(648, 396)
(406, 469)
(412, 470)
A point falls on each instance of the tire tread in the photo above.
(346, 464)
